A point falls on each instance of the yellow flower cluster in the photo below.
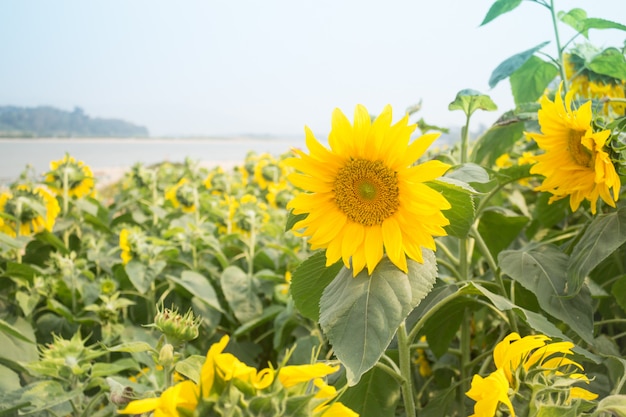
(223, 372)
(527, 360)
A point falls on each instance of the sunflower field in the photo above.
(373, 274)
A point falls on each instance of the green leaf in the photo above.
(376, 395)
(463, 211)
(499, 228)
(292, 219)
(268, 314)
(613, 404)
(536, 321)
(611, 62)
(14, 332)
(101, 369)
(22, 271)
(53, 240)
(575, 18)
(308, 282)
(529, 81)
(439, 337)
(360, 315)
(240, 292)
(133, 347)
(190, 367)
(471, 100)
(603, 236)
(542, 270)
(496, 141)
(618, 290)
(199, 286)
(137, 275)
(558, 411)
(597, 23)
(511, 64)
(468, 173)
(500, 7)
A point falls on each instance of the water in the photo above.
(108, 155)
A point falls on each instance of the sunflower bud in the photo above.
(166, 355)
(177, 328)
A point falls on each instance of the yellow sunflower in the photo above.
(365, 196)
(575, 163)
(27, 210)
(78, 176)
(183, 195)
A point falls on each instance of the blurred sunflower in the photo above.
(27, 210)
(575, 162)
(183, 195)
(269, 171)
(75, 174)
(365, 196)
(587, 84)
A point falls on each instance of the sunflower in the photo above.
(76, 174)
(365, 196)
(183, 195)
(27, 210)
(575, 162)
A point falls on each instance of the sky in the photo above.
(267, 67)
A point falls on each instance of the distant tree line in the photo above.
(45, 121)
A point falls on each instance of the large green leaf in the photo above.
(376, 395)
(199, 286)
(530, 80)
(542, 270)
(463, 211)
(575, 18)
(536, 321)
(609, 62)
(241, 294)
(612, 405)
(511, 64)
(604, 235)
(14, 332)
(308, 282)
(495, 142)
(500, 7)
(499, 227)
(137, 274)
(360, 315)
(471, 100)
(618, 290)
(597, 23)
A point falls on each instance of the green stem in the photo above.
(465, 358)
(484, 250)
(465, 140)
(558, 46)
(404, 352)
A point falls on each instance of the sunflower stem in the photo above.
(558, 46)
(465, 139)
(465, 358)
(404, 351)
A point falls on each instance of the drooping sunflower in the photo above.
(183, 195)
(575, 162)
(28, 210)
(75, 174)
(364, 195)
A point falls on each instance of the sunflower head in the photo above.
(27, 210)
(365, 196)
(70, 173)
(575, 162)
(183, 195)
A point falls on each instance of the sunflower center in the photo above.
(580, 153)
(367, 191)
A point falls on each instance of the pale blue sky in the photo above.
(208, 67)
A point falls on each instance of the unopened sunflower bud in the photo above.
(177, 328)
(166, 355)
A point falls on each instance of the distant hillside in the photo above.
(48, 121)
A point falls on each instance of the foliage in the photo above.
(194, 287)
